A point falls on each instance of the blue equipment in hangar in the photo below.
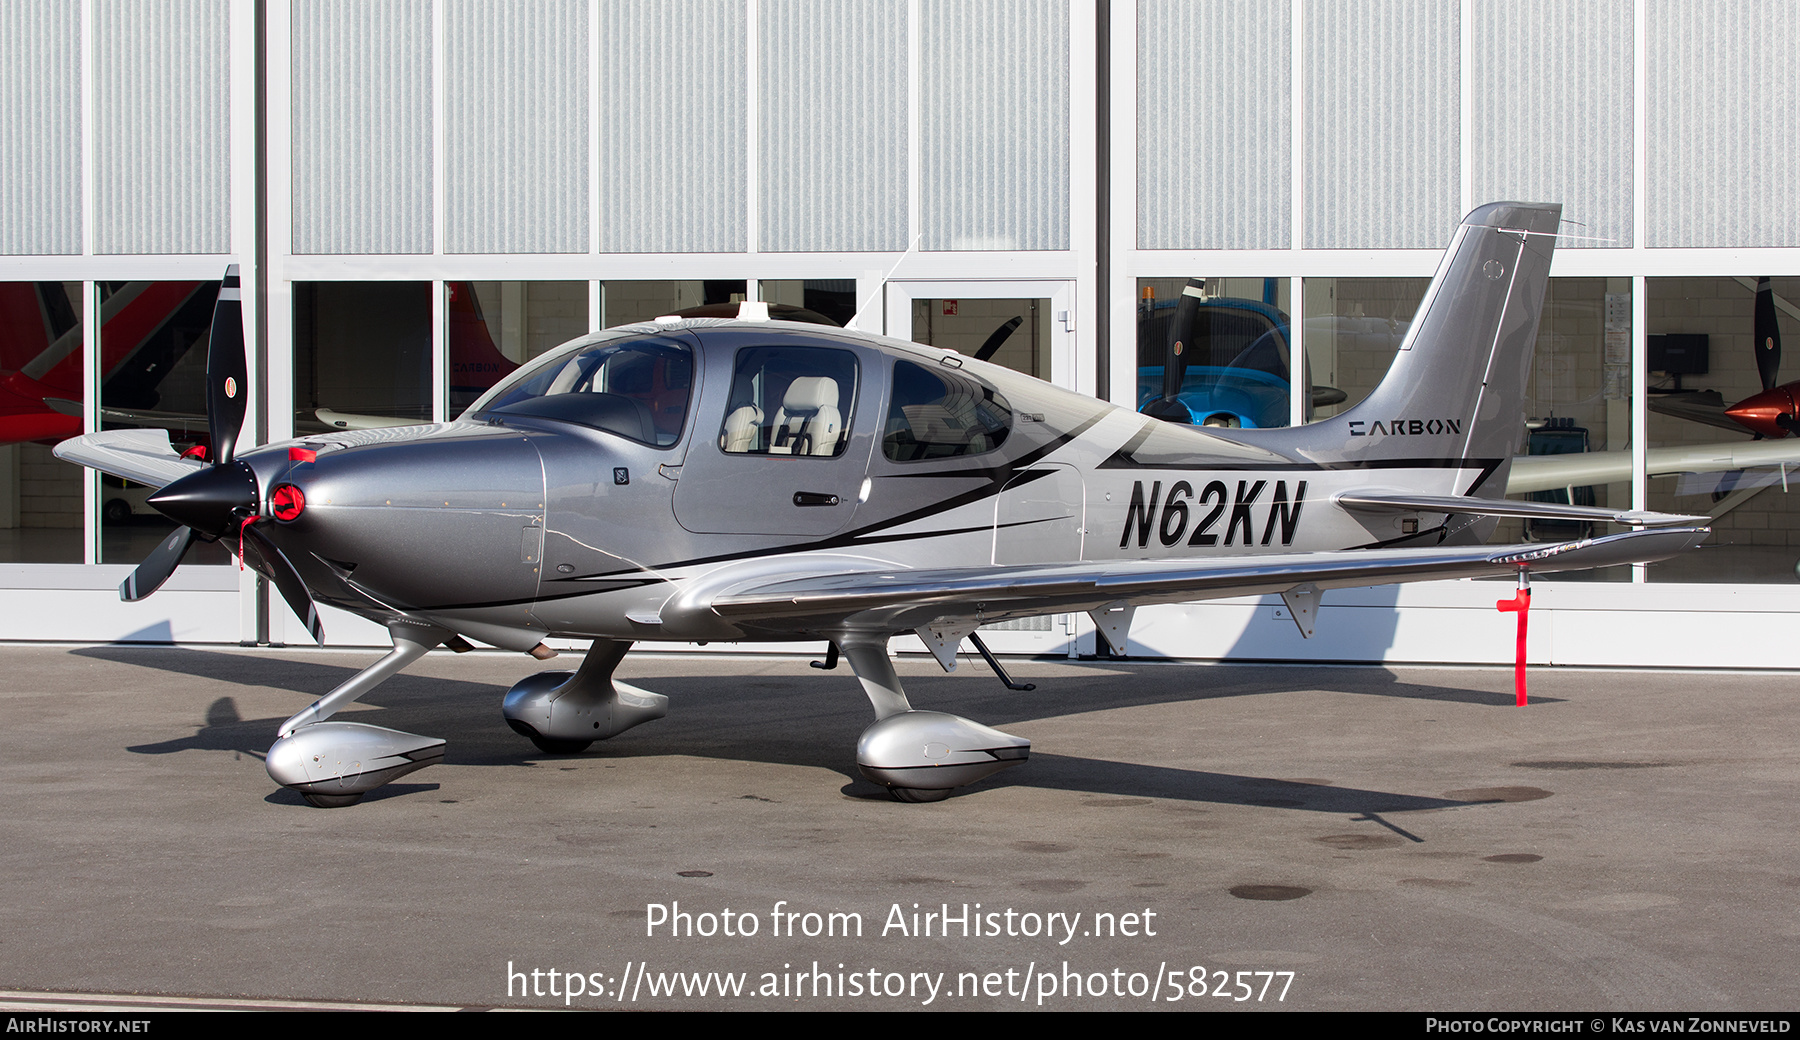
(1218, 360)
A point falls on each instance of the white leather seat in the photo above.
(808, 422)
(739, 435)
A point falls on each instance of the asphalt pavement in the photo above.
(1184, 837)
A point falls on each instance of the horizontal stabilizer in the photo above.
(145, 456)
(1395, 502)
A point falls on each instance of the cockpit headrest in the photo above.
(810, 393)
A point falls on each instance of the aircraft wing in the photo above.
(1701, 406)
(355, 421)
(184, 422)
(1554, 472)
(141, 455)
(897, 600)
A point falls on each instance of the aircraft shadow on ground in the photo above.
(809, 721)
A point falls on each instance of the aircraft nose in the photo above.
(211, 501)
(445, 521)
(1767, 413)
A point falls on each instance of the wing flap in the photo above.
(900, 600)
(145, 456)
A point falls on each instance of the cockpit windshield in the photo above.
(638, 388)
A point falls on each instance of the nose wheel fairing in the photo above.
(336, 763)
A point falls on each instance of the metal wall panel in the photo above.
(994, 124)
(162, 131)
(362, 126)
(515, 134)
(40, 127)
(1552, 120)
(673, 144)
(832, 122)
(1724, 115)
(1214, 144)
(1382, 119)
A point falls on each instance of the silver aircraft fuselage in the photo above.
(514, 530)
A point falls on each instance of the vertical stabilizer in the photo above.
(1456, 390)
(1464, 362)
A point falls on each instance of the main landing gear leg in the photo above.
(563, 712)
(334, 764)
(920, 756)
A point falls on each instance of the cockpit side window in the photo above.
(790, 401)
(942, 414)
(636, 388)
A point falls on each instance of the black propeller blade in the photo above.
(1181, 335)
(226, 370)
(998, 338)
(1768, 335)
(262, 555)
(157, 567)
(1168, 407)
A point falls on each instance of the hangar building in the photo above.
(424, 193)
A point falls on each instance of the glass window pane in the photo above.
(362, 355)
(40, 385)
(1706, 338)
(790, 401)
(1227, 339)
(942, 414)
(153, 342)
(494, 327)
(1012, 333)
(1353, 330)
(821, 301)
(634, 387)
(1577, 400)
(627, 303)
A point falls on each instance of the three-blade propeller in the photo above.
(222, 501)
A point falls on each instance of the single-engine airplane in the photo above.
(709, 479)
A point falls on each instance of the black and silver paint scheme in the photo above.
(756, 480)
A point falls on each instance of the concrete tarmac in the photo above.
(1237, 837)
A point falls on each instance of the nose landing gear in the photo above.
(333, 764)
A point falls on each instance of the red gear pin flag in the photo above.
(1520, 604)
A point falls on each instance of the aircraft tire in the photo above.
(919, 794)
(331, 801)
(117, 511)
(552, 746)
